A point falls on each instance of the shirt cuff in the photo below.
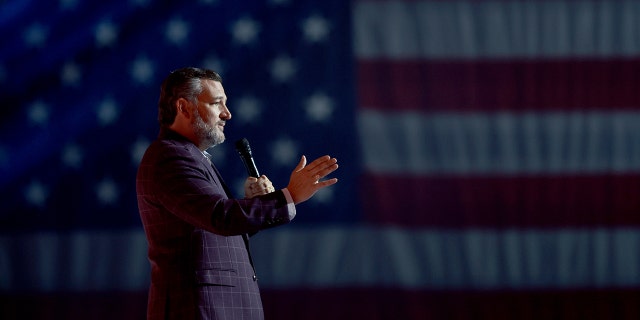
(290, 205)
(287, 195)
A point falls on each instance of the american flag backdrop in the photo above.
(489, 152)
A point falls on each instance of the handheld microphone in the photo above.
(242, 146)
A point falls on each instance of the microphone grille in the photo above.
(242, 145)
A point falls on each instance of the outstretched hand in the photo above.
(305, 179)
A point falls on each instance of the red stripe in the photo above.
(438, 85)
(379, 304)
(518, 201)
(74, 306)
(349, 303)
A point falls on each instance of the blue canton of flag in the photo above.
(80, 83)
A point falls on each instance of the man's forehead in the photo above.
(213, 89)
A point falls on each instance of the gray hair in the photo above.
(182, 83)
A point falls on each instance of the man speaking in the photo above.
(198, 235)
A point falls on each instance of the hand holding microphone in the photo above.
(255, 184)
(304, 181)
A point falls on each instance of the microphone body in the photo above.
(244, 150)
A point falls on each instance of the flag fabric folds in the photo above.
(489, 152)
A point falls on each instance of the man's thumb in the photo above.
(301, 164)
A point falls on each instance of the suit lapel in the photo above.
(215, 174)
(218, 179)
(221, 181)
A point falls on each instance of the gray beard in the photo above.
(207, 134)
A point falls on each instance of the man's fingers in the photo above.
(325, 168)
(324, 172)
(320, 162)
(322, 166)
(326, 183)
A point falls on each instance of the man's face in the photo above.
(210, 114)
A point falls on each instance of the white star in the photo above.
(106, 34)
(214, 63)
(137, 150)
(142, 70)
(72, 156)
(279, 2)
(282, 69)
(315, 28)
(71, 74)
(38, 113)
(248, 108)
(218, 154)
(36, 194)
(323, 196)
(319, 107)
(36, 35)
(245, 30)
(177, 31)
(68, 4)
(238, 187)
(140, 3)
(107, 112)
(284, 152)
(107, 192)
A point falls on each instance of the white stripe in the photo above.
(341, 256)
(77, 261)
(500, 143)
(495, 29)
(436, 259)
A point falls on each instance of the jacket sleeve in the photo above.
(183, 185)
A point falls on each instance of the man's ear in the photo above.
(182, 107)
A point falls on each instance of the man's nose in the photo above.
(226, 114)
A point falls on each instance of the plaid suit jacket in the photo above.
(201, 267)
